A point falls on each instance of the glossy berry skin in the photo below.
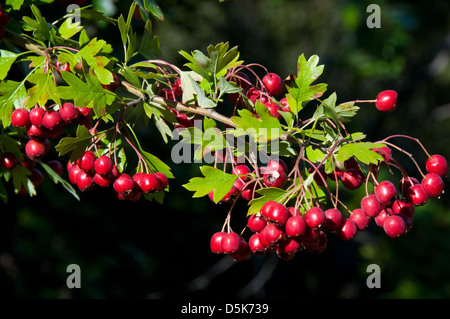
(275, 212)
(230, 242)
(36, 114)
(348, 230)
(333, 219)
(416, 195)
(87, 161)
(352, 179)
(432, 184)
(394, 226)
(256, 223)
(381, 217)
(386, 101)
(163, 181)
(315, 217)
(295, 226)
(289, 246)
(216, 242)
(273, 109)
(68, 112)
(84, 181)
(405, 183)
(386, 192)
(8, 160)
(272, 233)
(73, 173)
(51, 119)
(35, 149)
(370, 205)
(243, 252)
(84, 111)
(403, 207)
(256, 247)
(275, 177)
(273, 83)
(103, 180)
(437, 164)
(242, 169)
(20, 118)
(278, 164)
(103, 165)
(360, 218)
(149, 183)
(124, 184)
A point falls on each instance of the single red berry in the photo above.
(20, 118)
(256, 247)
(230, 242)
(405, 183)
(360, 218)
(272, 233)
(134, 195)
(273, 109)
(242, 169)
(124, 184)
(56, 166)
(321, 244)
(84, 181)
(333, 219)
(37, 132)
(73, 173)
(293, 211)
(103, 165)
(381, 217)
(36, 114)
(216, 242)
(370, 205)
(228, 196)
(348, 230)
(149, 183)
(243, 252)
(352, 178)
(416, 195)
(84, 111)
(277, 165)
(275, 212)
(394, 226)
(68, 112)
(114, 85)
(432, 184)
(103, 180)
(254, 94)
(275, 177)
(315, 217)
(285, 105)
(289, 246)
(35, 149)
(402, 206)
(386, 101)
(335, 175)
(437, 164)
(256, 223)
(8, 160)
(51, 119)
(385, 152)
(295, 226)
(273, 83)
(163, 181)
(87, 161)
(386, 192)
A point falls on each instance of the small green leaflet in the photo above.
(97, 63)
(39, 27)
(20, 179)
(299, 87)
(57, 179)
(151, 7)
(214, 180)
(315, 155)
(75, 145)
(264, 129)
(44, 90)
(362, 151)
(7, 59)
(268, 194)
(68, 29)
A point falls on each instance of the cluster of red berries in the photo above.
(44, 124)
(4, 19)
(90, 171)
(286, 230)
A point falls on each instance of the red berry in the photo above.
(36, 114)
(273, 109)
(333, 219)
(163, 181)
(242, 169)
(416, 195)
(20, 118)
(278, 164)
(289, 246)
(114, 85)
(273, 83)
(256, 223)
(360, 218)
(243, 252)
(216, 242)
(385, 152)
(230, 242)
(275, 177)
(149, 183)
(381, 217)
(8, 160)
(124, 184)
(73, 173)
(87, 161)
(348, 230)
(437, 164)
(51, 119)
(56, 166)
(405, 183)
(84, 111)
(4, 19)
(254, 94)
(272, 233)
(275, 212)
(35, 149)
(103, 180)
(370, 205)
(36, 177)
(315, 217)
(103, 165)
(403, 207)
(394, 226)
(84, 181)
(352, 179)
(432, 184)
(386, 192)
(386, 101)
(134, 195)
(68, 112)
(256, 247)
(36, 132)
(295, 226)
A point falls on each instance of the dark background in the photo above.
(145, 250)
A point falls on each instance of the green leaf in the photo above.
(12, 95)
(149, 48)
(20, 179)
(346, 111)
(186, 78)
(214, 180)
(264, 129)
(75, 145)
(299, 87)
(44, 90)
(57, 179)
(68, 29)
(7, 59)
(97, 63)
(315, 155)
(362, 151)
(151, 7)
(158, 197)
(227, 87)
(202, 100)
(39, 27)
(267, 194)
